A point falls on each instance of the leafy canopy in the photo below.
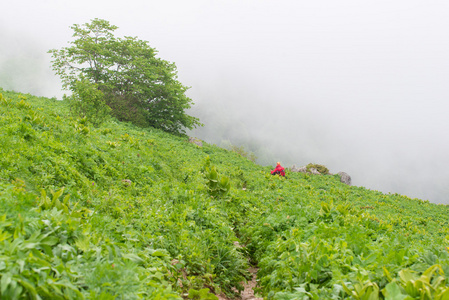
(87, 101)
(138, 86)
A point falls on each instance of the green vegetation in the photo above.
(122, 212)
(123, 74)
(88, 102)
(320, 168)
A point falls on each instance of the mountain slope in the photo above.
(123, 212)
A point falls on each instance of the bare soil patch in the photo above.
(248, 292)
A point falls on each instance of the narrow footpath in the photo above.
(248, 292)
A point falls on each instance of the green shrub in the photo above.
(217, 185)
(320, 168)
(87, 101)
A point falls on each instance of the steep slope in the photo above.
(123, 212)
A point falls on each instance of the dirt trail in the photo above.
(248, 292)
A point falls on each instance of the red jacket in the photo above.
(278, 170)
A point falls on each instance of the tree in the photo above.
(138, 86)
(87, 101)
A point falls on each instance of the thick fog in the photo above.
(359, 86)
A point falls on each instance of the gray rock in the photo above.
(345, 178)
(294, 169)
(303, 169)
(196, 141)
(314, 171)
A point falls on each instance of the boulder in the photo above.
(295, 169)
(320, 168)
(196, 141)
(345, 178)
(314, 171)
(303, 169)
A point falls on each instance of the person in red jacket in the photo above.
(278, 170)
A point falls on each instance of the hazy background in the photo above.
(359, 86)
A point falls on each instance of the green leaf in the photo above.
(427, 275)
(4, 236)
(387, 274)
(5, 282)
(202, 294)
(443, 295)
(133, 257)
(407, 275)
(29, 287)
(393, 292)
(50, 240)
(159, 253)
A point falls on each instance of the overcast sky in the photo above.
(360, 86)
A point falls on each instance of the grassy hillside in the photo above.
(119, 212)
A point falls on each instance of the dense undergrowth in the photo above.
(118, 212)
